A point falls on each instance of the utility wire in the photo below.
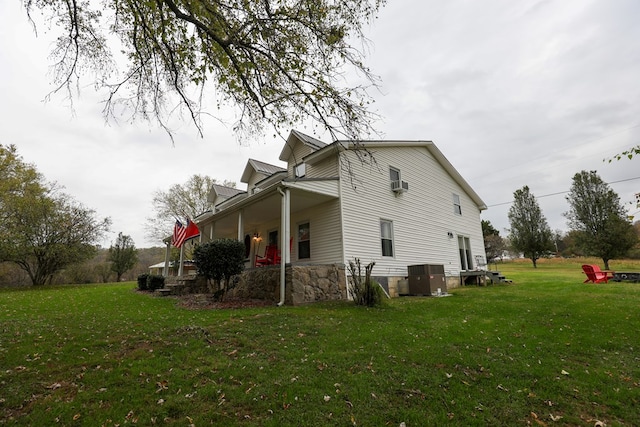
(563, 192)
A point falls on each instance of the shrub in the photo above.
(219, 260)
(364, 290)
(155, 282)
(142, 281)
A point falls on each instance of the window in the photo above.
(300, 170)
(386, 237)
(304, 241)
(273, 238)
(394, 174)
(464, 246)
(457, 207)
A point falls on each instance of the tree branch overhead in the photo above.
(279, 63)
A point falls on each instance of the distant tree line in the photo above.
(95, 270)
(44, 230)
(598, 225)
(49, 238)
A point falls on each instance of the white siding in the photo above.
(329, 186)
(422, 217)
(255, 177)
(327, 168)
(324, 223)
(299, 151)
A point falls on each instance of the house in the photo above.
(397, 203)
(158, 269)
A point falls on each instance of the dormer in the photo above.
(297, 147)
(257, 172)
(220, 193)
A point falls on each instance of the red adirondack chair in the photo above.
(270, 257)
(595, 275)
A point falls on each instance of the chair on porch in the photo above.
(270, 257)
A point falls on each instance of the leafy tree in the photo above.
(488, 229)
(530, 233)
(220, 260)
(493, 243)
(103, 271)
(570, 247)
(494, 246)
(278, 62)
(181, 201)
(43, 230)
(123, 255)
(599, 219)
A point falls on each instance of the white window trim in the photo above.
(394, 169)
(468, 253)
(393, 248)
(298, 239)
(457, 204)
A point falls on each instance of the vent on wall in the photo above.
(399, 186)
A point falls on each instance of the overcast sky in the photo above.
(514, 93)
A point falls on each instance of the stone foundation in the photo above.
(304, 284)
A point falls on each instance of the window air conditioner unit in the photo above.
(399, 186)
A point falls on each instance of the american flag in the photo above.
(179, 234)
(182, 233)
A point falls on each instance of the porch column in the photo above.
(167, 254)
(211, 232)
(240, 226)
(285, 227)
(286, 234)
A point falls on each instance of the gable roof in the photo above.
(259, 167)
(294, 135)
(224, 191)
(339, 146)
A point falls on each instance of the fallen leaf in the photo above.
(554, 418)
(327, 398)
(76, 417)
(564, 372)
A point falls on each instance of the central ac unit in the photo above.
(399, 186)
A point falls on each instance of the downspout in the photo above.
(284, 239)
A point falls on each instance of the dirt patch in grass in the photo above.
(207, 302)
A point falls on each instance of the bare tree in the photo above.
(180, 201)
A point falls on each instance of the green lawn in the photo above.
(545, 350)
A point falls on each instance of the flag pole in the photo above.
(181, 260)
